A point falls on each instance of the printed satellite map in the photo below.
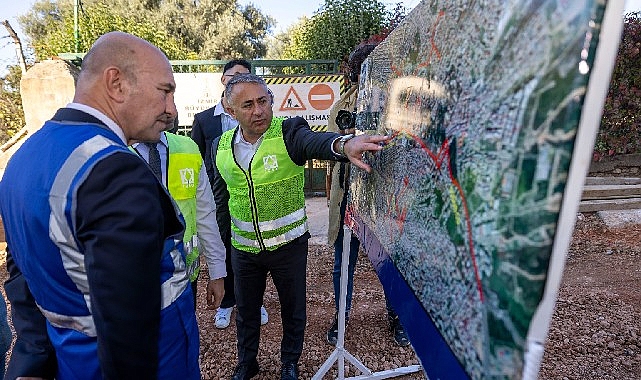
(483, 99)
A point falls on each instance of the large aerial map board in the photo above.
(467, 214)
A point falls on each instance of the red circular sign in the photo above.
(321, 97)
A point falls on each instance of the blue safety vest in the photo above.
(53, 262)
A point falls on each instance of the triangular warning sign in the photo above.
(292, 101)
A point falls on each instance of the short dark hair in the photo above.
(234, 62)
(356, 59)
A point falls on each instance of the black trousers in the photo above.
(288, 268)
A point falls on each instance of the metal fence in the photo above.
(262, 67)
(314, 169)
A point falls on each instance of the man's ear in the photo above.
(115, 84)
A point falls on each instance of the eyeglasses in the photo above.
(231, 75)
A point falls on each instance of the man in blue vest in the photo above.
(259, 165)
(177, 163)
(96, 236)
(207, 126)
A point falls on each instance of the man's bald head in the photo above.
(117, 49)
(130, 81)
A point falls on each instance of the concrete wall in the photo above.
(625, 165)
(44, 88)
(47, 86)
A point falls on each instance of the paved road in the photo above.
(317, 214)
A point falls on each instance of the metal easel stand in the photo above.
(340, 354)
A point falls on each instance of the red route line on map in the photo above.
(444, 153)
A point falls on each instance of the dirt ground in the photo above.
(596, 326)
(595, 332)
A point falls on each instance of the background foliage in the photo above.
(222, 29)
(336, 29)
(621, 120)
(204, 29)
(11, 114)
(51, 28)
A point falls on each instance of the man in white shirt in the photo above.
(206, 239)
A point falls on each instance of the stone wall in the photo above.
(628, 165)
(44, 88)
(47, 86)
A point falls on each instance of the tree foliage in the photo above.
(337, 27)
(11, 114)
(205, 29)
(621, 121)
(280, 42)
(183, 29)
(96, 19)
(213, 29)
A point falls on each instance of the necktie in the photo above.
(154, 160)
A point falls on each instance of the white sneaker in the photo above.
(223, 317)
(264, 317)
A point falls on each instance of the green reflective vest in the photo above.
(183, 170)
(184, 164)
(266, 202)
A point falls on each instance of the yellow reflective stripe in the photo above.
(270, 225)
(274, 241)
(177, 283)
(59, 230)
(83, 324)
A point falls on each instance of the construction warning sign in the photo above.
(292, 102)
(321, 97)
(310, 97)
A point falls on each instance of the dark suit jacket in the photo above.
(204, 130)
(32, 354)
(116, 182)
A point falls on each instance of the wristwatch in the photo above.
(341, 143)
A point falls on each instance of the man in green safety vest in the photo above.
(177, 163)
(260, 164)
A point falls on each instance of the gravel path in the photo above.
(595, 331)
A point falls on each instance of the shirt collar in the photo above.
(100, 116)
(163, 141)
(240, 139)
(218, 109)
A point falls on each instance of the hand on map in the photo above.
(355, 147)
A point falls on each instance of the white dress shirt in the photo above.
(209, 242)
(227, 121)
(244, 150)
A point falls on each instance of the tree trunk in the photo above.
(16, 39)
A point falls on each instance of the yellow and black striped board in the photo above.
(310, 97)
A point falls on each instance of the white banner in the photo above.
(196, 92)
